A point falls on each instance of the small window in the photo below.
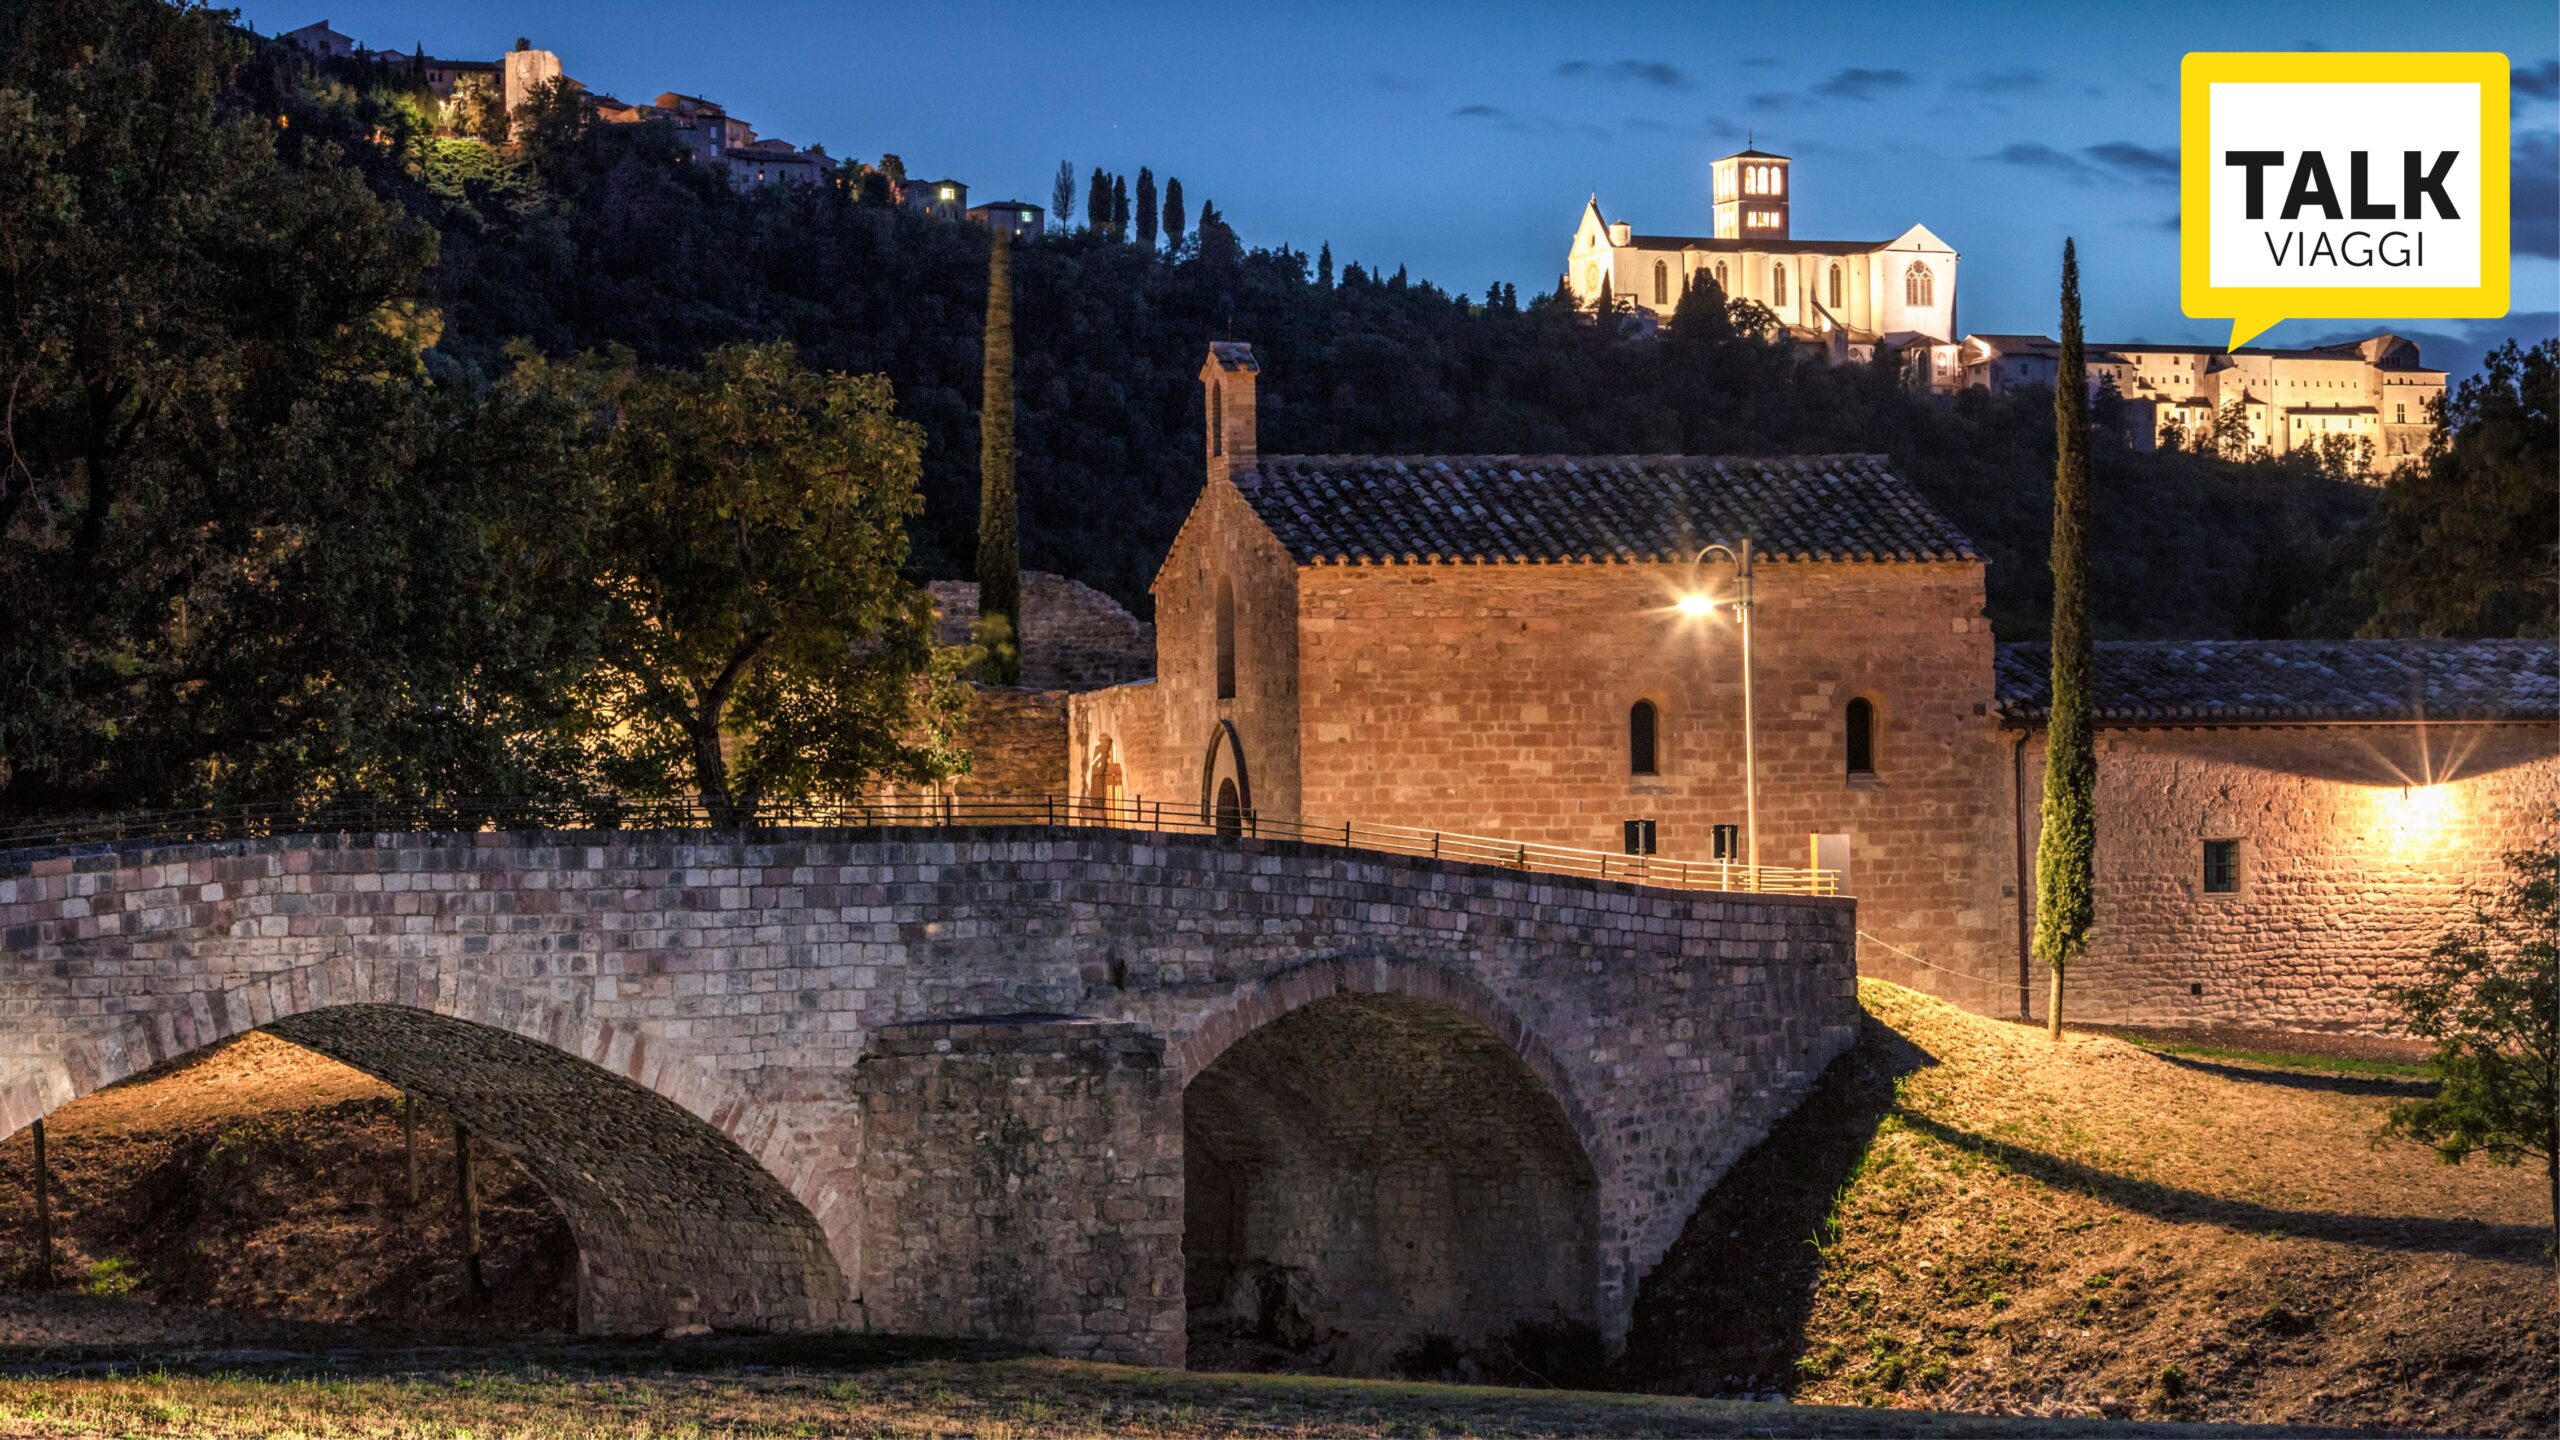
(1643, 723)
(1640, 837)
(1661, 283)
(1722, 283)
(1778, 285)
(2222, 867)
(1226, 640)
(1835, 286)
(1862, 737)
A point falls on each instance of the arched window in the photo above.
(1226, 640)
(1661, 283)
(1643, 750)
(1835, 285)
(1778, 285)
(1721, 282)
(1862, 737)
(1918, 285)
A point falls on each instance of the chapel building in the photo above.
(1846, 295)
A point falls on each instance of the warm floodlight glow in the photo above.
(2415, 815)
(1695, 605)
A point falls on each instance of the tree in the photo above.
(1324, 265)
(1097, 202)
(1062, 193)
(999, 628)
(1146, 208)
(1173, 214)
(2066, 846)
(1120, 208)
(749, 528)
(2489, 1000)
(2465, 545)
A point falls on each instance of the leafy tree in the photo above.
(1097, 203)
(2066, 846)
(999, 627)
(2489, 1000)
(2468, 542)
(1062, 194)
(1173, 215)
(749, 525)
(1146, 208)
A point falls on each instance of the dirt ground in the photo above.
(257, 1183)
(1969, 1216)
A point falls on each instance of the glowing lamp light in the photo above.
(2417, 814)
(1695, 605)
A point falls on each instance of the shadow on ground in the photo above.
(2303, 1079)
(1726, 1310)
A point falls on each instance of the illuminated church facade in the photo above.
(1844, 294)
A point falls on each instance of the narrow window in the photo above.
(2222, 867)
(1217, 419)
(1643, 721)
(1226, 640)
(1721, 282)
(1862, 737)
(1640, 837)
(1661, 284)
(1835, 286)
(1778, 285)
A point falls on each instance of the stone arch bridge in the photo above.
(1084, 1088)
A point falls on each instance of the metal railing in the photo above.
(911, 811)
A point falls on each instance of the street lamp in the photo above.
(1698, 603)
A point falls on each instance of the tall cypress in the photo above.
(1172, 213)
(1146, 207)
(1097, 201)
(999, 555)
(2066, 847)
(1324, 264)
(1120, 207)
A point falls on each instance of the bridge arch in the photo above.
(1377, 1154)
(676, 1220)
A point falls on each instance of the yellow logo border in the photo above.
(2253, 309)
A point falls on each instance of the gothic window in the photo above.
(1661, 283)
(1919, 287)
(1643, 752)
(1778, 285)
(1862, 737)
(1226, 640)
(1217, 419)
(1835, 285)
(1721, 282)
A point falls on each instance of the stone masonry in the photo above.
(935, 1080)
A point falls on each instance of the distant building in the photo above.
(944, 199)
(523, 71)
(2376, 390)
(446, 78)
(1846, 295)
(319, 40)
(1019, 219)
(777, 162)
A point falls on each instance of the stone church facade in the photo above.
(1493, 645)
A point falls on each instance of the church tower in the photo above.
(1751, 196)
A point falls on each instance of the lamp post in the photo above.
(1699, 604)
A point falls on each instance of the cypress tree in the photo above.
(1120, 207)
(999, 557)
(2066, 846)
(1146, 207)
(1173, 213)
(1097, 201)
(1324, 265)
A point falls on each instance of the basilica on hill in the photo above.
(1846, 295)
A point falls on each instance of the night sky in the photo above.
(1461, 140)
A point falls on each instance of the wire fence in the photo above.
(913, 811)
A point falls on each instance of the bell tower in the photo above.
(1752, 191)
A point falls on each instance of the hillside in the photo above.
(2098, 1228)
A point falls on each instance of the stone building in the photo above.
(1845, 294)
(1494, 645)
(1019, 219)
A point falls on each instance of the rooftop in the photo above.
(2278, 681)
(1566, 509)
(1773, 244)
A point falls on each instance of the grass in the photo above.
(2291, 1060)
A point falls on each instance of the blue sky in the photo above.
(1461, 140)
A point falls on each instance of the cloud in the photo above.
(2540, 82)
(2113, 160)
(1757, 62)
(2458, 347)
(1714, 127)
(1501, 119)
(1655, 73)
(2137, 162)
(1479, 112)
(1859, 83)
(1400, 84)
(2032, 155)
(1772, 100)
(2534, 201)
(2016, 80)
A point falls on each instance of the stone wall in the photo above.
(1017, 742)
(1074, 637)
(2348, 873)
(741, 981)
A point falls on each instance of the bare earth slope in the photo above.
(2093, 1228)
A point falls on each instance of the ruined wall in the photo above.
(1017, 742)
(1074, 637)
(1494, 699)
(1024, 1177)
(2348, 873)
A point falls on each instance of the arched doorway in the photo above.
(1226, 787)
(1230, 808)
(1373, 1175)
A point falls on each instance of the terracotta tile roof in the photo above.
(2276, 681)
(1563, 509)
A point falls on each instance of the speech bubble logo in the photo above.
(2328, 186)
